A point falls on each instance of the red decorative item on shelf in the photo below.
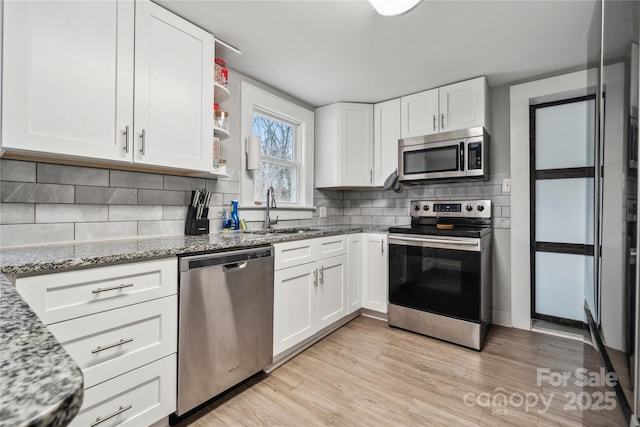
(221, 72)
(216, 106)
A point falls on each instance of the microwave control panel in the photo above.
(474, 150)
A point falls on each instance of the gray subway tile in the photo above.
(506, 211)
(351, 211)
(160, 228)
(16, 170)
(106, 195)
(492, 190)
(224, 187)
(359, 219)
(183, 183)
(63, 174)
(403, 220)
(382, 203)
(30, 234)
(52, 213)
(352, 195)
(476, 191)
(335, 211)
(450, 191)
(395, 211)
(177, 212)
(371, 211)
(421, 192)
(361, 203)
(134, 213)
(501, 222)
(402, 203)
(161, 197)
(383, 220)
(128, 179)
(17, 213)
(105, 230)
(19, 192)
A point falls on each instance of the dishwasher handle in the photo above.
(230, 260)
(234, 266)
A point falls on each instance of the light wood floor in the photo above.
(368, 374)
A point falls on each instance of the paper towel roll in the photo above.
(253, 152)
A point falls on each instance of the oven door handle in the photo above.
(434, 243)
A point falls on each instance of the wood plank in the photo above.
(368, 374)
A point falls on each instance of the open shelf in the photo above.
(220, 93)
(220, 133)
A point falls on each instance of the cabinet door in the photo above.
(326, 147)
(332, 290)
(294, 306)
(174, 90)
(386, 133)
(355, 269)
(68, 77)
(375, 274)
(419, 114)
(462, 105)
(356, 131)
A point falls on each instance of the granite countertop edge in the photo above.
(41, 384)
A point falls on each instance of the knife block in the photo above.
(195, 226)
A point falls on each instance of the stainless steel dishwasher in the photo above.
(226, 322)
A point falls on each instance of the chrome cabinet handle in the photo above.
(315, 277)
(371, 176)
(142, 138)
(322, 274)
(382, 246)
(112, 288)
(98, 349)
(126, 139)
(434, 122)
(441, 121)
(120, 410)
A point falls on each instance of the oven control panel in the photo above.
(458, 208)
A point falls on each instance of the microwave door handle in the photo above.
(462, 165)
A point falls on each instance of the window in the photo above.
(279, 163)
(286, 153)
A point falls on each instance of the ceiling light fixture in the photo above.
(393, 7)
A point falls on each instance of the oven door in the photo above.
(440, 275)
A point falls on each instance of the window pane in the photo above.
(283, 178)
(276, 137)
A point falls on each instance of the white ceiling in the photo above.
(326, 51)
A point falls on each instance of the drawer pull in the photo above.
(107, 347)
(112, 288)
(108, 417)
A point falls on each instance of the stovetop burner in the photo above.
(462, 218)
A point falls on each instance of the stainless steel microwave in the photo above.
(456, 155)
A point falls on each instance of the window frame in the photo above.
(254, 99)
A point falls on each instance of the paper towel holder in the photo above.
(253, 152)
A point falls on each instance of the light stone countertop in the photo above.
(39, 382)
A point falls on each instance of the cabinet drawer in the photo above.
(332, 246)
(62, 296)
(298, 252)
(138, 398)
(108, 344)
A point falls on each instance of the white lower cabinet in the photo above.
(119, 323)
(375, 272)
(355, 270)
(311, 295)
(138, 398)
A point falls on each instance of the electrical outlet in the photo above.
(506, 186)
(323, 211)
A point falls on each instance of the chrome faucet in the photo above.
(271, 203)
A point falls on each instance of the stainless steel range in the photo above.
(440, 271)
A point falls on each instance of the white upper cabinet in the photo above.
(69, 83)
(420, 114)
(463, 105)
(68, 77)
(344, 145)
(386, 132)
(174, 90)
(457, 106)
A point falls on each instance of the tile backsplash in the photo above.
(50, 203)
